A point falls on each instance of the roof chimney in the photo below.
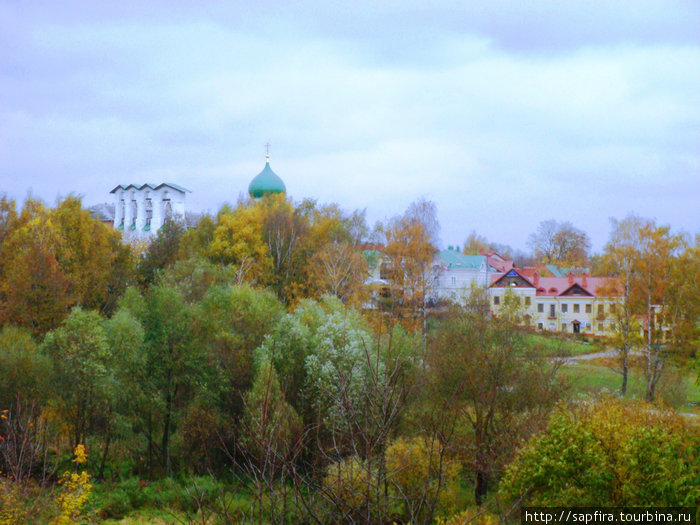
(585, 279)
(536, 278)
(571, 278)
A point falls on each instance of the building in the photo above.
(570, 304)
(140, 210)
(456, 273)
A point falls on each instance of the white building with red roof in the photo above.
(568, 304)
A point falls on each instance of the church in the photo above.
(140, 210)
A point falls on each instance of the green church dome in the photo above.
(267, 181)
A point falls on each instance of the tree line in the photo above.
(244, 349)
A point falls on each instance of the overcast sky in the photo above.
(503, 113)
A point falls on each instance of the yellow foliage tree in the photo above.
(238, 241)
(75, 491)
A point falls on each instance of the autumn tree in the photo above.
(284, 230)
(609, 453)
(499, 386)
(657, 256)
(620, 261)
(161, 252)
(475, 244)
(410, 253)
(560, 243)
(656, 272)
(339, 269)
(53, 259)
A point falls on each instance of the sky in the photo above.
(503, 113)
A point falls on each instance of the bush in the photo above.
(609, 453)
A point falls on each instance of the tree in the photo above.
(502, 389)
(161, 252)
(608, 453)
(620, 260)
(97, 265)
(271, 430)
(284, 230)
(239, 242)
(34, 290)
(80, 356)
(25, 387)
(51, 260)
(475, 244)
(560, 243)
(410, 255)
(425, 212)
(339, 269)
(175, 364)
(231, 322)
(659, 249)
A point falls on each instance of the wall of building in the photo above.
(141, 212)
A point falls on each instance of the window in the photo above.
(540, 326)
(552, 310)
(496, 299)
(527, 301)
(600, 327)
(540, 307)
(563, 327)
(577, 308)
(612, 308)
(601, 310)
(454, 281)
(564, 307)
(588, 308)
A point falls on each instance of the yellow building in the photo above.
(565, 304)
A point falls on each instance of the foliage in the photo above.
(339, 269)
(423, 477)
(609, 453)
(53, 259)
(560, 243)
(238, 241)
(80, 355)
(658, 274)
(75, 491)
(161, 252)
(482, 372)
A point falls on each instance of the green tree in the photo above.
(486, 375)
(80, 356)
(161, 252)
(175, 364)
(231, 322)
(608, 453)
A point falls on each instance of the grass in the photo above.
(677, 387)
(556, 345)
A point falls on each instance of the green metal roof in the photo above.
(152, 186)
(556, 272)
(267, 181)
(455, 259)
(372, 257)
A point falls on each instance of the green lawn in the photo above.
(558, 346)
(677, 387)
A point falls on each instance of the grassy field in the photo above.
(678, 388)
(557, 346)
